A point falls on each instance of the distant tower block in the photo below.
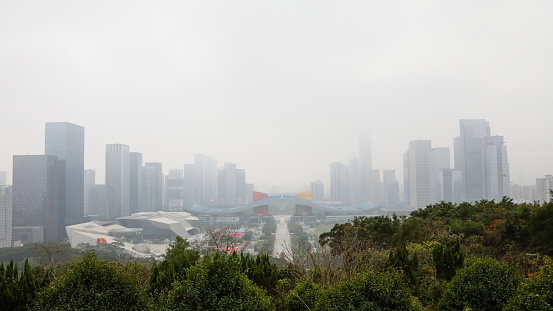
(303, 210)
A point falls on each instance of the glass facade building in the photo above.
(117, 181)
(35, 195)
(66, 142)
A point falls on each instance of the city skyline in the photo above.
(281, 90)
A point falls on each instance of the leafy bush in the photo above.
(216, 283)
(303, 297)
(485, 285)
(93, 284)
(368, 291)
(535, 295)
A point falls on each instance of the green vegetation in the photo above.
(482, 256)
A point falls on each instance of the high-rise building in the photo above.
(377, 198)
(5, 216)
(543, 187)
(135, 172)
(189, 186)
(390, 188)
(439, 161)
(35, 195)
(419, 173)
(365, 163)
(206, 179)
(147, 189)
(158, 181)
(95, 196)
(3, 178)
(317, 191)
(339, 183)
(175, 190)
(355, 181)
(450, 181)
(232, 185)
(117, 181)
(66, 142)
(482, 160)
(497, 174)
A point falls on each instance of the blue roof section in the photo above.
(283, 199)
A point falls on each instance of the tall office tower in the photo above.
(3, 178)
(89, 183)
(419, 173)
(35, 195)
(5, 216)
(523, 193)
(158, 181)
(365, 162)
(390, 188)
(496, 174)
(439, 160)
(317, 191)
(175, 191)
(147, 189)
(339, 183)
(450, 180)
(117, 181)
(376, 188)
(355, 181)
(189, 188)
(206, 179)
(483, 162)
(471, 161)
(66, 141)
(135, 171)
(543, 187)
(232, 185)
(406, 185)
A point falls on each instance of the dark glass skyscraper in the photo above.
(35, 195)
(66, 141)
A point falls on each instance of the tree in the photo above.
(178, 258)
(93, 284)
(216, 283)
(17, 292)
(486, 285)
(368, 291)
(536, 294)
(448, 259)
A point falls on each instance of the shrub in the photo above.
(93, 284)
(216, 283)
(367, 291)
(303, 297)
(535, 295)
(485, 285)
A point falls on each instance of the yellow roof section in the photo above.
(304, 195)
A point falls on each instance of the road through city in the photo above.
(282, 235)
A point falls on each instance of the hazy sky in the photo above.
(282, 88)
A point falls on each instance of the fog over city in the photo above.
(280, 88)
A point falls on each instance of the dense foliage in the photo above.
(471, 256)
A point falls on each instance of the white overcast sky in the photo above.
(282, 88)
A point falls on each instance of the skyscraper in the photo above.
(117, 180)
(66, 142)
(35, 195)
(5, 216)
(135, 171)
(158, 182)
(206, 179)
(2, 178)
(317, 191)
(439, 161)
(232, 185)
(419, 173)
(390, 188)
(365, 163)
(339, 183)
(175, 190)
(471, 161)
(482, 160)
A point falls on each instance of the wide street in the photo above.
(282, 235)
